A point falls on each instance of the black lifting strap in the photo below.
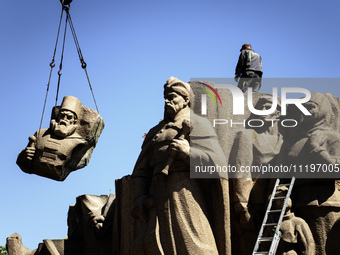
(52, 64)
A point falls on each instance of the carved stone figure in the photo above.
(296, 237)
(253, 147)
(317, 201)
(67, 145)
(174, 213)
(14, 246)
(90, 223)
(161, 209)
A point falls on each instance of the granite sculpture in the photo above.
(15, 246)
(90, 224)
(295, 235)
(253, 147)
(159, 209)
(67, 145)
(174, 213)
(315, 141)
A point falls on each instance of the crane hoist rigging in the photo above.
(68, 143)
(66, 9)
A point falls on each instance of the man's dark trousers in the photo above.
(250, 79)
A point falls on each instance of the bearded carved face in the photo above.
(174, 103)
(320, 110)
(314, 109)
(65, 125)
(266, 105)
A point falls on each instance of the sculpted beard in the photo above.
(62, 130)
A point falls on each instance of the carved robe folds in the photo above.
(184, 215)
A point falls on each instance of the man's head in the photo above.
(245, 46)
(176, 95)
(67, 119)
(265, 103)
(320, 108)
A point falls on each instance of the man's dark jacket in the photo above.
(249, 60)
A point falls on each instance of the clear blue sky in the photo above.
(132, 47)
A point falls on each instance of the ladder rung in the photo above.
(279, 197)
(285, 184)
(265, 239)
(274, 241)
(270, 224)
(274, 211)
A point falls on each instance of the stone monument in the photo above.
(253, 147)
(67, 145)
(296, 237)
(160, 209)
(174, 213)
(315, 141)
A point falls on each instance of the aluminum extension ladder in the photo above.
(276, 238)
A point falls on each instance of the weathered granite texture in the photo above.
(90, 223)
(14, 246)
(67, 145)
(296, 237)
(173, 213)
(316, 141)
(159, 209)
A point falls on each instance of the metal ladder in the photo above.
(276, 238)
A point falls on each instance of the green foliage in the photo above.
(3, 250)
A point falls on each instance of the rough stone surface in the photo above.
(173, 213)
(14, 246)
(315, 141)
(159, 209)
(296, 237)
(90, 223)
(67, 145)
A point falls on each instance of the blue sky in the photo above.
(131, 48)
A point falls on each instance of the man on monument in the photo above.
(175, 214)
(248, 69)
(58, 150)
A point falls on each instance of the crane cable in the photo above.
(52, 64)
(83, 63)
(61, 63)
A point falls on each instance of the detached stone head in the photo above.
(67, 119)
(176, 95)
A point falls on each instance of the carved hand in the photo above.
(318, 146)
(180, 148)
(97, 222)
(30, 149)
(316, 142)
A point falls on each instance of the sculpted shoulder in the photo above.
(200, 126)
